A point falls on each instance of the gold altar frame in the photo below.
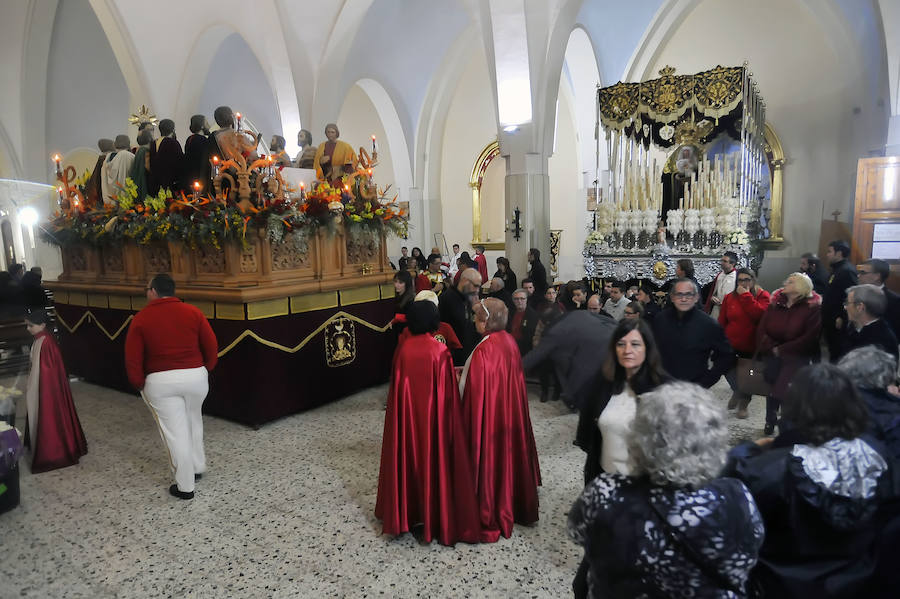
(775, 156)
(490, 151)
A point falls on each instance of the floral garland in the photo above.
(208, 221)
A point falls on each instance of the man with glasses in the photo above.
(876, 272)
(865, 306)
(689, 339)
(523, 321)
(723, 285)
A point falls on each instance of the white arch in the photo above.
(8, 157)
(396, 137)
(127, 55)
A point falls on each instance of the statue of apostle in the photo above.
(118, 168)
(196, 156)
(334, 158)
(228, 144)
(166, 159)
(306, 157)
(281, 157)
(94, 196)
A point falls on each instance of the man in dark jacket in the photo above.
(811, 266)
(455, 306)
(875, 272)
(688, 338)
(865, 307)
(843, 276)
(523, 321)
(576, 346)
(538, 273)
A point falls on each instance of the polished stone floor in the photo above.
(285, 511)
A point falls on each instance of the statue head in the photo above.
(167, 128)
(199, 124)
(224, 117)
(332, 132)
(123, 142)
(105, 145)
(277, 143)
(144, 138)
(304, 138)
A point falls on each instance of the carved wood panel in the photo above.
(362, 247)
(291, 254)
(249, 262)
(210, 260)
(157, 259)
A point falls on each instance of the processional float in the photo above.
(687, 168)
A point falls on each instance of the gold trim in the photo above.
(61, 297)
(773, 144)
(307, 339)
(208, 308)
(268, 308)
(229, 311)
(487, 155)
(119, 302)
(88, 316)
(359, 295)
(315, 301)
(77, 299)
(138, 303)
(98, 301)
(387, 290)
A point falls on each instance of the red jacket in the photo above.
(794, 331)
(481, 264)
(739, 315)
(168, 335)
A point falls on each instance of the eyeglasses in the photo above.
(849, 303)
(683, 294)
(745, 280)
(630, 313)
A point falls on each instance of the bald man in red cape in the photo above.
(496, 416)
(425, 475)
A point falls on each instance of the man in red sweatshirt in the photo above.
(169, 352)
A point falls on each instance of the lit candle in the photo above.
(196, 190)
(373, 144)
(238, 115)
(215, 160)
(347, 188)
(61, 196)
(57, 159)
(369, 172)
(302, 190)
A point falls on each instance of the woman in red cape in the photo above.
(52, 430)
(495, 412)
(425, 476)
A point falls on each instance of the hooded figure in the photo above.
(166, 159)
(97, 183)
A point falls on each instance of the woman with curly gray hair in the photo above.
(873, 371)
(672, 528)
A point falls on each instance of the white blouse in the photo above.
(615, 425)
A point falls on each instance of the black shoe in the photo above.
(198, 476)
(174, 492)
(769, 429)
(545, 395)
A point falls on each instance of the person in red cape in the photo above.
(498, 426)
(444, 333)
(52, 429)
(425, 476)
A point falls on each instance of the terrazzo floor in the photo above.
(284, 511)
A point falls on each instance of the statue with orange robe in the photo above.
(334, 158)
(495, 413)
(426, 474)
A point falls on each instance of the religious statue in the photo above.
(97, 183)
(118, 167)
(276, 146)
(306, 157)
(334, 158)
(228, 144)
(166, 159)
(139, 168)
(196, 156)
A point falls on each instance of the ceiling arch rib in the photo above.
(396, 138)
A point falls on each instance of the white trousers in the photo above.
(175, 398)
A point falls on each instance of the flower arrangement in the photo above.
(197, 221)
(594, 237)
(737, 237)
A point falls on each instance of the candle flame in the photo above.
(373, 138)
(56, 158)
(302, 184)
(237, 114)
(197, 185)
(59, 189)
(216, 159)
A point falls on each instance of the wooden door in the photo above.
(876, 221)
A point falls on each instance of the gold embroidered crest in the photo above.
(340, 342)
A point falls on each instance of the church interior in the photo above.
(488, 133)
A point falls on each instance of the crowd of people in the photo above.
(667, 509)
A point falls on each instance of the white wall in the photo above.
(567, 195)
(248, 93)
(87, 97)
(806, 102)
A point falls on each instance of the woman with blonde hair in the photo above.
(788, 338)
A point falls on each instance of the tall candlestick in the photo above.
(57, 159)
(61, 196)
(196, 190)
(373, 144)
(238, 115)
(215, 160)
(302, 190)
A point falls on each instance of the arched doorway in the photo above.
(481, 235)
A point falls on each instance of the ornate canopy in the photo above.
(714, 93)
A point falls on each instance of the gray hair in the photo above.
(871, 297)
(520, 290)
(869, 367)
(679, 436)
(685, 280)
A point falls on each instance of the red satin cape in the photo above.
(425, 475)
(501, 440)
(59, 440)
